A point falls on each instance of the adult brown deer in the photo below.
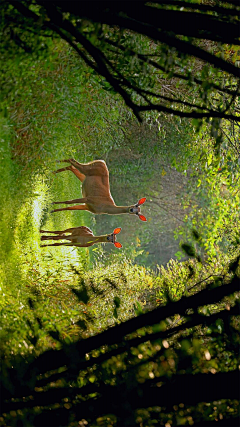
(96, 190)
(81, 236)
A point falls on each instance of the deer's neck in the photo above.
(116, 210)
(100, 239)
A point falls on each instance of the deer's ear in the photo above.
(118, 245)
(117, 230)
(142, 217)
(141, 201)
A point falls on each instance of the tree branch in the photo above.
(198, 6)
(53, 359)
(192, 114)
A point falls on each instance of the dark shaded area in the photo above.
(111, 373)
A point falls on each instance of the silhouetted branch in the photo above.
(198, 6)
(192, 114)
(190, 322)
(53, 359)
(172, 391)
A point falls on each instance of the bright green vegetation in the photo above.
(53, 108)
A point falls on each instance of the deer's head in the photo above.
(137, 210)
(112, 238)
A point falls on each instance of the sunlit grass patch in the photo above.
(63, 187)
(7, 206)
(26, 269)
(28, 217)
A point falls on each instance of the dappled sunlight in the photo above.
(67, 256)
(39, 202)
(27, 233)
(25, 209)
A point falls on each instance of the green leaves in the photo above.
(138, 309)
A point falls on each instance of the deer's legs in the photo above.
(82, 200)
(97, 167)
(68, 168)
(57, 244)
(53, 232)
(76, 172)
(68, 230)
(59, 237)
(68, 244)
(72, 208)
(74, 229)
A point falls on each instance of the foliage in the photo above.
(61, 108)
(63, 118)
(212, 196)
(190, 343)
(96, 336)
(135, 49)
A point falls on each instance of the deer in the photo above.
(81, 237)
(97, 197)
